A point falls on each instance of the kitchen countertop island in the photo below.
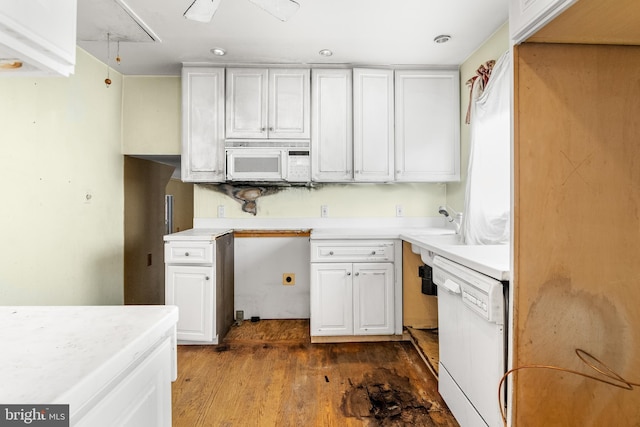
(100, 360)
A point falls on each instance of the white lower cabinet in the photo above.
(191, 289)
(373, 299)
(199, 281)
(353, 298)
(331, 299)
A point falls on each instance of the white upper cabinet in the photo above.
(528, 16)
(247, 96)
(332, 125)
(427, 125)
(203, 124)
(289, 103)
(268, 103)
(39, 35)
(373, 132)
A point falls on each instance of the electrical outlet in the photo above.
(324, 211)
(288, 279)
(399, 210)
(220, 211)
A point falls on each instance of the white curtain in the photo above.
(488, 193)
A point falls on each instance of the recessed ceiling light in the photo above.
(325, 52)
(443, 38)
(218, 51)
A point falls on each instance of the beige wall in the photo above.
(493, 48)
(151, 115)
(60, 141)
(343, 201)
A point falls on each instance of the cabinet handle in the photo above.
(373, 253)
(270, 129)
(330, 252)
(206, 277)
(186, 254)
(348, 273)
(357, 274)
(263, 129)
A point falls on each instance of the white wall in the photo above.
(493, 48)
(59, 141)
(260, 263)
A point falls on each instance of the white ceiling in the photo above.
(359, 32)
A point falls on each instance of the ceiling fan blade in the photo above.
(202, 10)
(281, 9)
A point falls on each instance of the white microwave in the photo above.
(290, 164)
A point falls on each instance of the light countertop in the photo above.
(67, 355)
(198, 234)
(375, 233)
(492, 260)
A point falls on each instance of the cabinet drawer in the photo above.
(352, 251)
(188, 253)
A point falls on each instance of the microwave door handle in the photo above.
(284, 155)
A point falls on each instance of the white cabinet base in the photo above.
(356, 290)
(141, 399)
(191, 289)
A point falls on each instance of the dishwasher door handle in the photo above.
(451, 286)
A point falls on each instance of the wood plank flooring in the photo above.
(426, 342)
(269, 374)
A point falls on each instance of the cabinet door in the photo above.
(202, 124)
(373, 299)
(332, 126)
(246, 106)
(427, 143)
(528, 16)
(373, 125)
(191, 289)
(331, 299)
(289, 103)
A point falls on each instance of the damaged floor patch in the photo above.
(387, 398)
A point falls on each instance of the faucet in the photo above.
(452, 216)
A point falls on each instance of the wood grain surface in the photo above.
(577, 222)
(268, 373)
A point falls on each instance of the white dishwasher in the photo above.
(471, 313)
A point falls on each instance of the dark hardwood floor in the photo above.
(269, 374)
